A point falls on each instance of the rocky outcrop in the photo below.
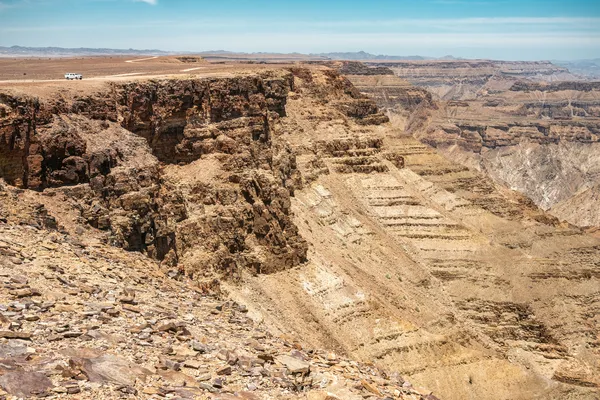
(565, 110)
(249, 226)
(349, 68)
(339, 91)
(105, 150)
(183, 120)
(391, 92)
(66, 144)
(515, 67)
(19, 162)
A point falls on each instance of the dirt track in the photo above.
(29, 70)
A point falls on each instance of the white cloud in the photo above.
(153, 2)
(465, 22)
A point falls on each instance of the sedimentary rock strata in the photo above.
(532, 127)
(465, 79)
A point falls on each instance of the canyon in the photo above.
(323, 230)
(530, 126)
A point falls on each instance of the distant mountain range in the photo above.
(361, 55)
(67, 52)
(23, 51)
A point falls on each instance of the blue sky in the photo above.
(501, 29)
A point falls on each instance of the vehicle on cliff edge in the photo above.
(70, 76)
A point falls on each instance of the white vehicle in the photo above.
(69, 76)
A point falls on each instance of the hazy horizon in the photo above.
(502, 30)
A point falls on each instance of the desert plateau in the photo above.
(301, 223)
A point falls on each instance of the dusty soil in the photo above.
(28, 69)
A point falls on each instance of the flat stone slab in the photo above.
(111, 368)
(293, 364)
(25, 384)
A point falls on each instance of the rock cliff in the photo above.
(87, 140)
(241, 217)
